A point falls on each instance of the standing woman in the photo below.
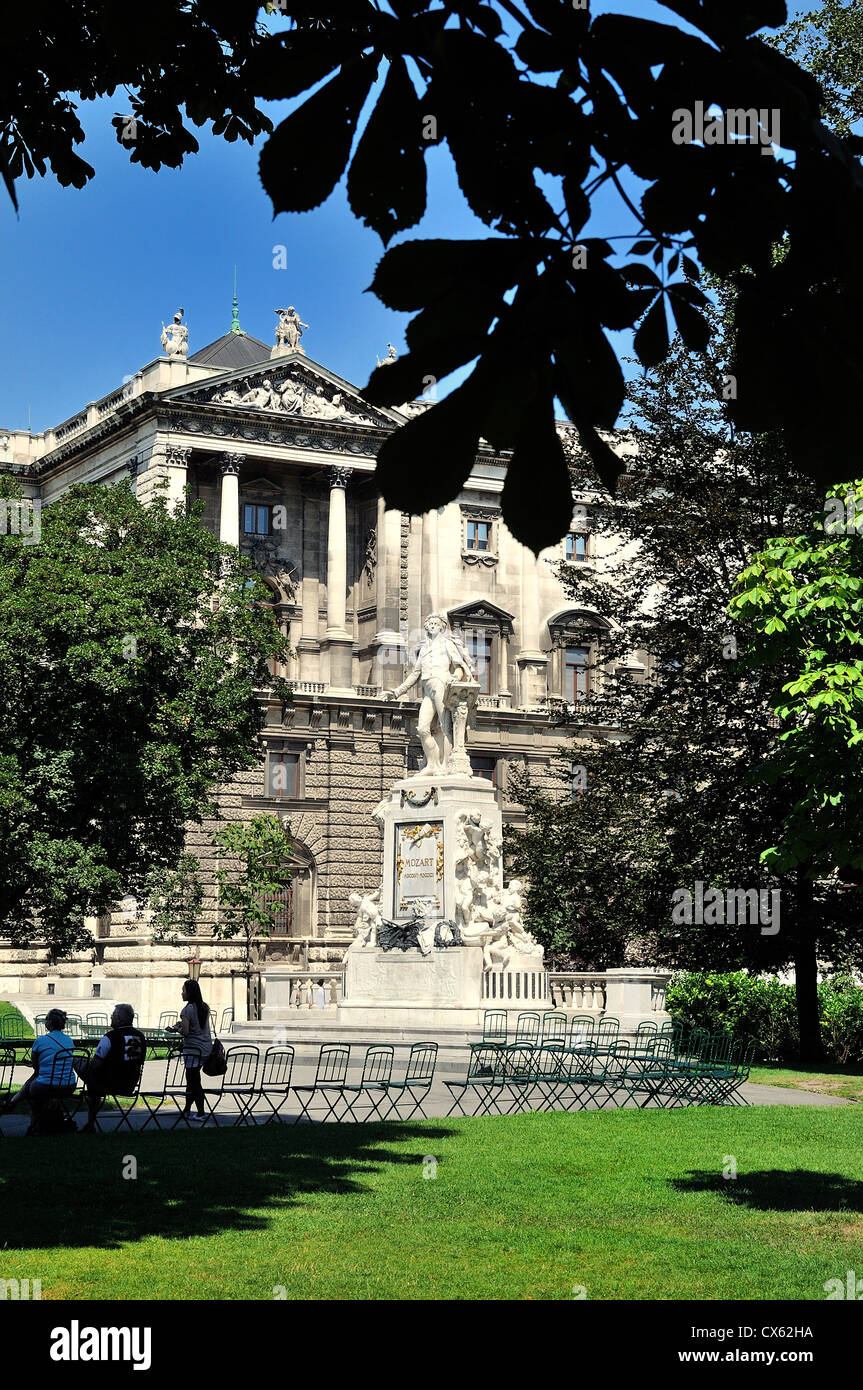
(194, 1027)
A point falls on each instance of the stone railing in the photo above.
(370, 692)
(294, 985)
(308, 687)
(577, 991)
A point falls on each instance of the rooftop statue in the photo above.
(289, 329)
(175, 337)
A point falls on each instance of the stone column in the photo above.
(339, 640)
(532, 663)
(503, 664)
(177, 472)
(430, 578)
(388, 642)
(229, 516)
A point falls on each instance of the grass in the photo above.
(628, 1205)
(837, 1081)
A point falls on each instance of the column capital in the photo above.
(339, 475)
(177, 455)
(230, 464)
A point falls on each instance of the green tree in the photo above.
(254, 870)
(673, 801)
(802, 603)
(175, 899)
(828, 42)
(133, 655)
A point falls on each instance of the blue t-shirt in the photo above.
(45, 1050)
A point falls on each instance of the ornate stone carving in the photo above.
(371, 561)
(368, 919)
(175, 337)
(392, 356)
(176, 456)
(133, 464)
(289, 330)
(288, 396)
(231, 464)
(339, 475)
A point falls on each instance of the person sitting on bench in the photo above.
(115, 1067)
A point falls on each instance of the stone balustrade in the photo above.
(578, 991)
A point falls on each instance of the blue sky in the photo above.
(90, 274)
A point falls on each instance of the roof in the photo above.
(232, 351)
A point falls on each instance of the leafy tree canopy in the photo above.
(542, 105)
(131, 647)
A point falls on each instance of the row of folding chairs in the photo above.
(260, 1086)
(657, 1068)
(552, 1029)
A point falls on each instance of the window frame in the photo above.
(276, 755)
(257, 508)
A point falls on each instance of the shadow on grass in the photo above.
(71, 1192)
(778, 1189)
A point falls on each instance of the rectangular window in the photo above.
(478, 535)
(479, 646)
(576, 675)
(576, 546)
(484, 767)
(256, 520)
(282, 774)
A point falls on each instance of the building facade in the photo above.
(281, 451)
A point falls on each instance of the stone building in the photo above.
(282, 452)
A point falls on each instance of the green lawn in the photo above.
(835, 1081)
(627, 1204)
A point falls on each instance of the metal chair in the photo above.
(374, 1082)
(75, 1025)
(62, 1088)
(7, 1072)
(95, 1026)
(10, 1026)
(173, 1089)
(527, 1030)
(554, 1026)
(238, 1081)
(581, 1030)
(329, 1082)
(274, 1086)
(227, 1020)
(486, 1071)
(39, 1028)
(417, 1081)
(494, 1026)
(124, 1099)
(166, 1019)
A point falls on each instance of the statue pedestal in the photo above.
(420, 820)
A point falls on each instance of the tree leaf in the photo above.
(387, 177)
(305, 157)
(651, 338)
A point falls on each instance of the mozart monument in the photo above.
(443, 938)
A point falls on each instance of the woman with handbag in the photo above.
(194, 1027)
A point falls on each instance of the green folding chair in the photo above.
(373, 1086)
(554, 1029)
(275, 1083)
(238, 1083)
(494, 1026)
(527, 1027)
(485, 1074)
(582, 1028)
(329, 1083)
(416, 1083)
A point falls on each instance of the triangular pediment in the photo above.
(481, 611)
(261, 489)
(291, 387)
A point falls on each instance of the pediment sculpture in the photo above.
(290, 396)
